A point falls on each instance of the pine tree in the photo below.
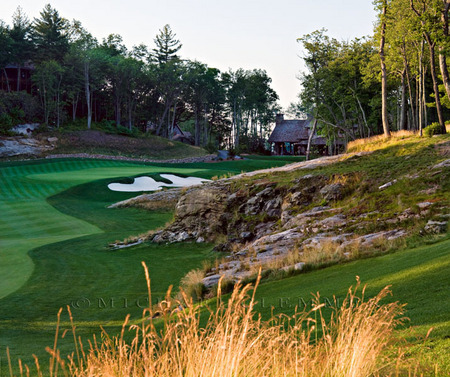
(167, 45)
(50, 35)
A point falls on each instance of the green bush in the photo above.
(109, 126)
(6, 123)
(121, 130)
(17, 108)
(432, 129)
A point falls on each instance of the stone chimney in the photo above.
(279, 118)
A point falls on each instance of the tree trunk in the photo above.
(88, 95)
(238, 120)
(403, 119)
(205, 127)
(18, 78)
(424, 100)
(130, 114)
(444, 71)
(118, 115)
(7, 80)
(197, 126)
(431, 47)
(442, 57)
(58, 97)
(363, 113)
(412, 124)
(384, 114)
(310, 137)
(75, 106)
(161, 121)
(172, 124)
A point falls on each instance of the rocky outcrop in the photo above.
(23, 146)
(283, 226)
(443, 164)
(333, 191)
(199, 215)
(436, 227)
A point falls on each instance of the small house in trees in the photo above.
(290, 137)
(14, 78)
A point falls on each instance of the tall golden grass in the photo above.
(235, 341)
(375, 142)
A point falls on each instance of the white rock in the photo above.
(386, 185)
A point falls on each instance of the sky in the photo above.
(228, 34)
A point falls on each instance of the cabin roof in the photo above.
(290, 131)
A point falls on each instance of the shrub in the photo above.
(16, 108)
(6, 123)
(192, 284)
(432, 129)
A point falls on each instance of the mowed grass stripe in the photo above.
(27, 224)
(28, 221)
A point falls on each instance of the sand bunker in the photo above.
(149, 184)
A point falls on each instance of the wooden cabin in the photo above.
(290, 137)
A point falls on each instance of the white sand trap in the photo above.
(149, 184)
(183, 182)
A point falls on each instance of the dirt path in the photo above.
(312, 164)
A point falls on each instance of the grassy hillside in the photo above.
(418, 277)
(99, 142)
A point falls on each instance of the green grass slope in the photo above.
(419, 277)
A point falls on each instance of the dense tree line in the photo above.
(389, 81)
(78, 78)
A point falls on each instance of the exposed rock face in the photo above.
(172, 195)
(16, 146)
(386, 185)
(443, 164)
(333, 191)
(269, 250)
(199, 214)
(265, 225)
(436, 227)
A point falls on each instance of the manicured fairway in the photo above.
(27, 221)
